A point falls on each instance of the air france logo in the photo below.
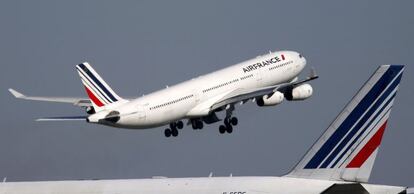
(262, 64)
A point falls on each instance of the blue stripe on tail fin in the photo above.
(356, 114)
(97, 89)
(348, 148)
(98, 83)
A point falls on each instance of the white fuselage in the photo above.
(184, 100)
(213, 185)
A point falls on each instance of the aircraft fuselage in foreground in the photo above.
(212, 185)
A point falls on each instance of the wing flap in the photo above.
(242, 94)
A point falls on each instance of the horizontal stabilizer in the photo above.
(355, 188)
(70, 118)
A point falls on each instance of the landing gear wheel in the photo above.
(234, 121)
(180, 124)
(167, 132)
(222, 129)
(229, 129)
(199, 125)
(174, 132)
(194, 124)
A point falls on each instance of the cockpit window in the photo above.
(300, 56)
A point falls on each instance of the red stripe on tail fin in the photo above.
(93, 97)
(368, 149)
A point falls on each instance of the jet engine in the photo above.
(300, 92)
(274, 99)
(90, 110)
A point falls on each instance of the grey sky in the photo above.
(141, 46)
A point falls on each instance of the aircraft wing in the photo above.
(82, 102)
(240, 95)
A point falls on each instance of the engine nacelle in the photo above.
(300, 92)
(90, 110)
(275, 99)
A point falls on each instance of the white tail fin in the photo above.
(347, 149)
(97, 89)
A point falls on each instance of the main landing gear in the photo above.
(197, 124)
(229, 122)
(173, 130)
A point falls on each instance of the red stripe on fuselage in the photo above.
(283, 57)
(94, 99)
(368, 149)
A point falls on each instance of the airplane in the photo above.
(267, 80)
(340, 161)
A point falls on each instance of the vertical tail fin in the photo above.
(97, 89)
(348, 148)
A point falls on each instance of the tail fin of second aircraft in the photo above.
(97, 89)
(348, 148)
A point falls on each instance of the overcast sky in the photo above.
(141, 46)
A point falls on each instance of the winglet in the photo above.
(16, 93)
(312, 74)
